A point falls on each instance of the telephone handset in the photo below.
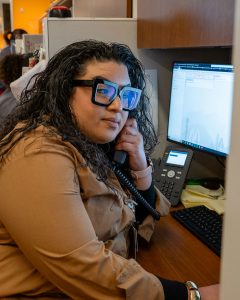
(119, 158)
(170, 176)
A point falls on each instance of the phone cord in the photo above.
(138, 197)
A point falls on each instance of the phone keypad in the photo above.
(167, 187)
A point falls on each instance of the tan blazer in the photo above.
(61, 230)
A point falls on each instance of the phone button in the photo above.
(170, 173)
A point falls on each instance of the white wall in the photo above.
(60, 32)
(230, 286)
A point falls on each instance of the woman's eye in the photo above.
(103, 92)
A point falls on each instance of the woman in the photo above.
(68, 226)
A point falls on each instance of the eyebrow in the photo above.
(100, 77)
(104, 78)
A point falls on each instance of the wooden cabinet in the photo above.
(185, 23)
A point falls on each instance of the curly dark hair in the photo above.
(11, 68)
(50, 96)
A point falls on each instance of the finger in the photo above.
(130, 134)
(131, 123)
(131, 130)
(129, 147)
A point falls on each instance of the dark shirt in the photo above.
(7, 104)
(5, 51)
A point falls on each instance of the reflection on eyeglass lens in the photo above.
(129, 96)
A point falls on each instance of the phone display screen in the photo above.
(176, 157)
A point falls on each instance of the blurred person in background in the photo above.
(10, 70)
(9, 38)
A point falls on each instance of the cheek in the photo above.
(124, 119)
(73, 102)
(80, 105)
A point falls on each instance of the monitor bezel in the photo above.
(184, 143)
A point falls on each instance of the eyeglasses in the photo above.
(105, 92)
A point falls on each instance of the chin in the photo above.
(105, 139)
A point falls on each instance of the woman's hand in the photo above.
(131, 141)
(210, 292)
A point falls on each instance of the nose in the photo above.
(116, 104)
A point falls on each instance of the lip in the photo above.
(112, 122)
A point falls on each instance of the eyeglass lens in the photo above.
(106, 93)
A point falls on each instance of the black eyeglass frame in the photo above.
(94, 83)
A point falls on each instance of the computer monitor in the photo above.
(201, 106)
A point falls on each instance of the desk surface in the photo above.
(175, 253)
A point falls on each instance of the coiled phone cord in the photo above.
(138, 197)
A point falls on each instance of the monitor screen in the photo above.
(201, 106)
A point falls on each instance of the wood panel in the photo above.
(129, 8)
(184, 23)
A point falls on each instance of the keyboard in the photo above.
(204, 223)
